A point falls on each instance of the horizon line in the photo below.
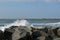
(29, 18)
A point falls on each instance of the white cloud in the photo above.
(29, 0)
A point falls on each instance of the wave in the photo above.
(26, 23)
(40, 25)
(16, 23)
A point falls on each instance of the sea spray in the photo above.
(16, 23)
(25, 22)
(42, 25)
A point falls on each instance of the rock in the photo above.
(27, 37)
(58, 32)
(27, 33)
(8, 34)
(49, 37)
(35, 35)
(56, 39)
(41, 38)
(50, 32)
(20, 32)
(1, 35)
(55, 31)
(43, 33)
(46, 29)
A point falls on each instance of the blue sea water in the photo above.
(32, 21)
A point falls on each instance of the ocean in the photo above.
(32, 21)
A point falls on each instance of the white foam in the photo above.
(53, 24)
(41, 25)
(16, 23)
(26, 23)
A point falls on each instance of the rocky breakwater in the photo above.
(23, 31)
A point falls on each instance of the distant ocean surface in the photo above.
(32, 21)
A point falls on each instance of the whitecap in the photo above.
(16, 23)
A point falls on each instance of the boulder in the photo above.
(56, 39)
(55, 31)
(1, 35)
(58, 32)
(20, 32)
(41, 38)
(36, 34)
(49, 37)
(8, 34)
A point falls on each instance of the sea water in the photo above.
(37, 23)
(32, 21)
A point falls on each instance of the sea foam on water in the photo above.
(22, 28)
(16, 23)
(26, 23)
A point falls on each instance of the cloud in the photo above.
(29, 0)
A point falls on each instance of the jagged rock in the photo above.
(55, 31)
(1, 35)
(8, 34)
(56, 39)
(36, 34)
(49, 37)
(50, 32)
(25, 33)
(41, 38)
(46, 30)
(27, 37)
(43, 33)
(20, 32)
(58, 32)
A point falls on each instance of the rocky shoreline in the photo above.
(26, 33)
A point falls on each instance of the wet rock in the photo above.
(55, 31)
(46, 29)
(20, 32)
(1, 35)
(8, 34)
(36, 34)
(56, 39)
(50, 32)
(27, 33)
(58, 32)
(43, 33)
(27, 37)
(41, 38)
(49, 37)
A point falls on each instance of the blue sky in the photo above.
(29, 9)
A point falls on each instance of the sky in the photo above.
(29, 8)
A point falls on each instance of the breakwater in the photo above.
(25, 33)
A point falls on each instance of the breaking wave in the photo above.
(16, 23)
(53, 25)
(26, 23)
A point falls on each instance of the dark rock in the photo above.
(25, 33)
(1, 35)
(49, 37)
(41, 38)
(27, 37)
(58, 32)
(20, 33)
(56, 39)
(36, 34)
(55, 31)
(8, 34)
(46, 29)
